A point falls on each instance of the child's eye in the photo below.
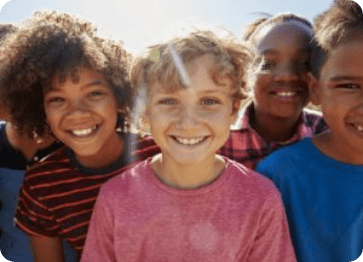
(304, 65)
(348, 86)
(267, 65)
(96, 94)
(209, 101)
(55, 100)
(168, 101)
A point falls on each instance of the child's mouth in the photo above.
(284, 94)
(358, 127)
(190, 141)
(83, 133)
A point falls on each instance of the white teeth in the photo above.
(359, 127)
(286, 94)
(191, 141)
(83, 132)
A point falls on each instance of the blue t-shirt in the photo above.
(323, 199)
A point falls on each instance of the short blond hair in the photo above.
(231, 59)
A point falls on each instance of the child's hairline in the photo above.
(273, 21)
(323, 53)
(213, 73)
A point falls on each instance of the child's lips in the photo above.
(358, 126)
(82, 132)
(189, 140)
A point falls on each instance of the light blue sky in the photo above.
(141, 22)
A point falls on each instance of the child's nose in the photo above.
(77, 107)
(287, 72)
(188, 117)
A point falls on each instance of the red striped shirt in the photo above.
(58, 195)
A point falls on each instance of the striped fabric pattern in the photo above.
(57, 198)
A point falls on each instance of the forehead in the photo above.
(199, 73)
(292, 36)
(81, 76)
(345, 60)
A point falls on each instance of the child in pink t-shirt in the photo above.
(188, 203)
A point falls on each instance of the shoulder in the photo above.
(247, 180)
(127, 183)
(57, 160)
(289, 151)
(283, 161)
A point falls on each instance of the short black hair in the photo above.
(342, 22)
(251, 29)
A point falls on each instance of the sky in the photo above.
(139, 23)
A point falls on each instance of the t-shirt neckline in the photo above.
(215, 185)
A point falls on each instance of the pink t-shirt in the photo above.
(238, 217)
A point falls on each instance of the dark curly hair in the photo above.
(53, 44)
(231, 59)
(342, 22)
(5, 30)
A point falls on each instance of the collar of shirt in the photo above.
(243, 123)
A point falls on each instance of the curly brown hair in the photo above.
(231, 59)
(6, 29)
(342, 22)
(53, 44)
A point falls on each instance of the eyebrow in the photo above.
(90, 84)
(276, 52)
(345, 78)
(220, 90)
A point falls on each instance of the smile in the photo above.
(358, 127)
(286, 94)
(84, 132)
(190, 141)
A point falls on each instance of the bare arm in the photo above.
(46, 249)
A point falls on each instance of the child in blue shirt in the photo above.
(321, 179)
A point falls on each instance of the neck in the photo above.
(107, 155)
(272, 128)
(187, 176)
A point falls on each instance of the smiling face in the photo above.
(83, 116)
(191, 124)
(340, 93)
(280, 88)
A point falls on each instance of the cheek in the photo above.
(260, 84)
(52, 117)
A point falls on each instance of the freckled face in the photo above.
(191, 124)
(280, 85)
(340, 93)
(83, 115)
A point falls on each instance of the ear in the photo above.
(314, 90)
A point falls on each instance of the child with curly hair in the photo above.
(276, 116)
(59, 77)
(188, 203)
(321, 178)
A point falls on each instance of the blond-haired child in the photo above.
(188, 203)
